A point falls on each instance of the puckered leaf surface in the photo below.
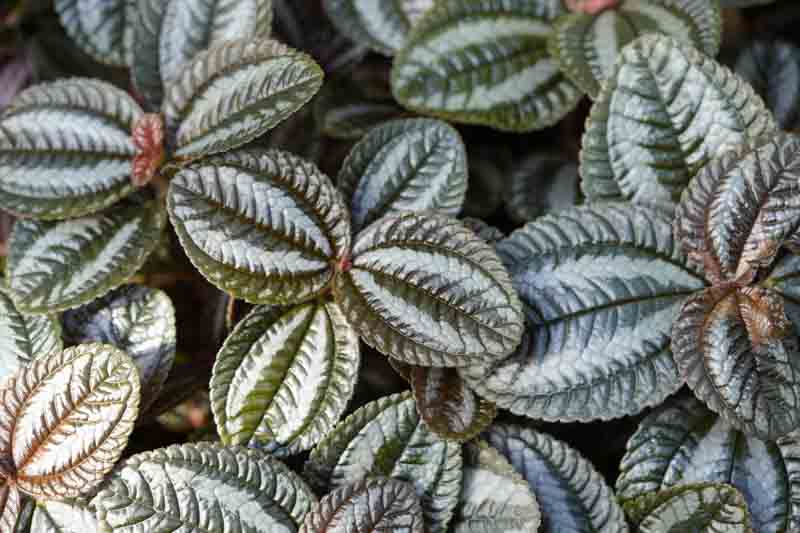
(69, 516)
(24, 337)
(102, 28)
(10, 504)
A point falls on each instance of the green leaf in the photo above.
(449, 408)
(138, 320)
(201, 488)
(572, 495)
(383, 26)
(405, 165)
(586, 46)
(24, 337)
(65, 419)
(102, 28)
(485, 62)
(424, 289)
(373, 505)
(53, 266)
(494, 496)
(266, 227)
(541, 183)
(66, 149)
(665, 111)
(69, 516)
(387, 438)
(10, 504)
(773, 69)
(234, 92)
(601, 286)
(683, 442)
(284, 377)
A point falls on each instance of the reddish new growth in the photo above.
(344, 264)
(590, 7)
(148, 137)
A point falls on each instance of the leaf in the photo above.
(665, 111)
(65, 419)
(24, 337)
(266, 227)
(494, 497)
(66, 149)
(70, 516)
(405, 165)
(586, 45)
(448, 406)
(683, 442)
(489, 168)
(601, 286)
(387, 438)
(284, 377)
(54, 266)
(10, 504)
(485, 62)
(138, 320)
(488, 234)
(541, 183)
(102, 28)
(383, 26)
(372, 505)
(703, 508)
(234, 92)
(572, 495)
(424, 289)
(773, 69)
(203, 487)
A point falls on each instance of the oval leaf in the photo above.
(267, 227)
(572, 495)
(102, 28)
(203, 487)
(601, 287)
(373, 505)
(53, 266)
(485, 62)
(69, 516)
(10, 506)
(541, 183)
(66, 149)
(773, 69)
(405, 165)
(138, 320)
(235, 92)
(65, 419)
(665, 111)
(284, 377)
(424, 289)
(704, 508)
(24, 337)
(387, 438)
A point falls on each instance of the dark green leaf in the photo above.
(773, 69)
(69, 516)
(541, 183)
(102, 28)
(24, 337)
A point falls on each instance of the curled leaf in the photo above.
(102, 28)
(24, 337)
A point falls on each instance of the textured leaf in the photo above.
(102, 28)
(572, 495)
(683, 442)
(65, 419)
(71, 516)
(449, 408)
(66, 149)
(196, 488)
(773, 69)
(10, 504)
(424, 289)
(138, 320)
(387, 438)
(665, 111)
(586, 45)
(541, 183)
(373, 505)
(405, 165)
(488, 234)
(53, 266)
(283, 378)
(704, 508)
(267, 227)
(235, 92)
(24, 337)
(601, 286)
(494, 496)
(485, 62)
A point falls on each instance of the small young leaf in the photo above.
(405, 165)
(138, 320)
(266, 227)
(773, 69)
(69, 516)
(665, 111)
(540, 184)
(234, 92)
(202, 488)
(10, 504)
(53, 266)
(65, 419)
(485, 62)
(572, 495)
(703, 508)
(24, 337)
(283, 378)
(66, 149)
(424, 289)
(373, 505)
(102, 28)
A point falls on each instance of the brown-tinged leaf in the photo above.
(148, 138)
(10, 504)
